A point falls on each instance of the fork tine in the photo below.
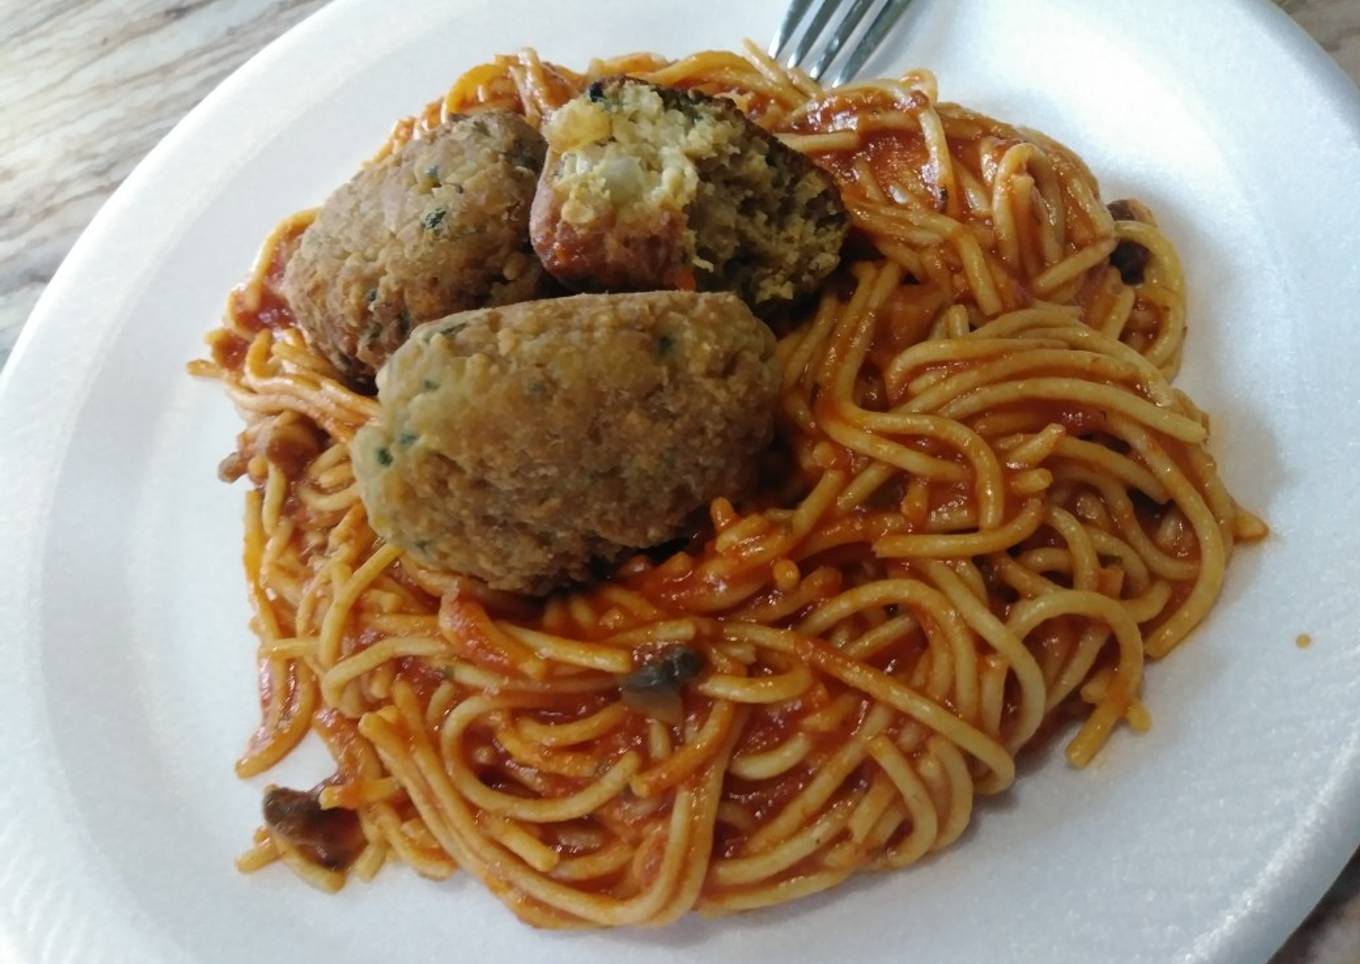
(813, 31)
(844, 29)
(873, 37)
(791, 17)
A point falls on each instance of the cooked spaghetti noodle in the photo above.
(997, 509)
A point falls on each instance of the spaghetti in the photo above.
(997, 509)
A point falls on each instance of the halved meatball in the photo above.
(440, 225)
(526, 445)
(652, 187)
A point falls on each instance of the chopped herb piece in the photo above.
(407, 439)
(664, 344)
(433, 219)
(430, 385)
(384, 456)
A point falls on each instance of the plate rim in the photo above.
(1312, 62)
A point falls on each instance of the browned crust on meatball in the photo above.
(439, 225)
(607, 255)
(528, 445)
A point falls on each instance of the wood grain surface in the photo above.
(87, 88)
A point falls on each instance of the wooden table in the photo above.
(87, 88)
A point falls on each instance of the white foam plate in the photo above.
(126, 669)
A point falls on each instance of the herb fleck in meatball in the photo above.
(440, 225)
(526, 445)
(652, 187)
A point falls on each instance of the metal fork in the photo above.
(834, 39)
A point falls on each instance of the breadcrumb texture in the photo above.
(440, 225)
(532, 444)
(651, 187)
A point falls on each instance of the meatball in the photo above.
(440, 225)
(651, 187)
(531, 444)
